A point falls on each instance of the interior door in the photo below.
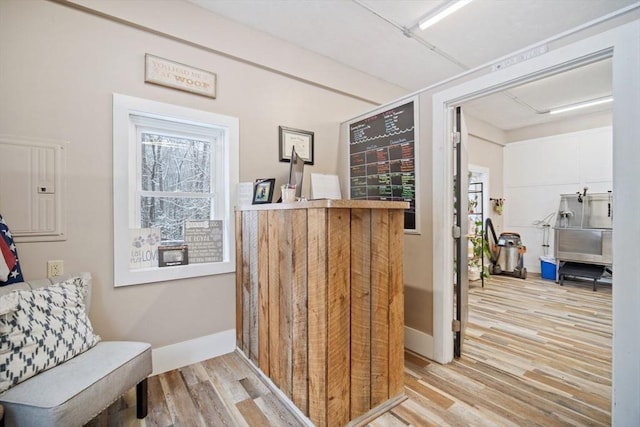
(460, 233)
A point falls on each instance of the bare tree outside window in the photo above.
(175, 183)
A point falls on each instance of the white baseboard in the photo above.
(418, 342)
(185, 353)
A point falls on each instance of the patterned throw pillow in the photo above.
(42, 328)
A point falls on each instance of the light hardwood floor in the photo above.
(536, 354)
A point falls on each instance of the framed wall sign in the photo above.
(301, 139)
(382, 158)
(165, 72)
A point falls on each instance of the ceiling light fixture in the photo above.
(579, 105)
(441, 13)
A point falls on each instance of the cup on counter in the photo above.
(288, 193)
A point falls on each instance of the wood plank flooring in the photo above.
(536, 354)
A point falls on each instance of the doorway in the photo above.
(469, 93)
(454, 109)
(557, 154)
(626, 89)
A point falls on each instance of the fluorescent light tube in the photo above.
(579, 105)
(450, 8)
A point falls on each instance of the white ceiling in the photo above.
(381, 38)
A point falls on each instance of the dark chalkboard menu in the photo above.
(382, 159)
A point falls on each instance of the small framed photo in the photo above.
(263, 190)
(301, 139)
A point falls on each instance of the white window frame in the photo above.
(129, 115)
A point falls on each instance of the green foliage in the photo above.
(480, 249)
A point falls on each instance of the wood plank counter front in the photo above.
(319, 302)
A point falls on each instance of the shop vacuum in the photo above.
(507, 252)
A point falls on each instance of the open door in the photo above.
(461, 227)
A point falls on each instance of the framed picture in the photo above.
(301, 139)
(169, 256)
(263, 190)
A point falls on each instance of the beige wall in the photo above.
(486, 146)
(59, 67)
(489, 155)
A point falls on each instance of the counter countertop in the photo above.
(326, 203)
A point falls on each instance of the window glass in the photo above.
(176, 181)
(171, 163)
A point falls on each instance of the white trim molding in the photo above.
(418, 342)
(185, 353)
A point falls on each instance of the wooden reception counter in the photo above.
(319, 303)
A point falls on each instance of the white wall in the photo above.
(537, 171)
(626, 252)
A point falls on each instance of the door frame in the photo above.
(623, 45)
(461, 208)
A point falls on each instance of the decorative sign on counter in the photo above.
(144, 247)
(245, 193)
(382, 161)
(170, 256)
(172, 74)
(325, 186)
(204, 239)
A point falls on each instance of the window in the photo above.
(173, 166)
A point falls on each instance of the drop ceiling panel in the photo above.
(578, 85)
(485, 30)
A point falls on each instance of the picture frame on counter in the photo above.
(263, 190)
(170, 256)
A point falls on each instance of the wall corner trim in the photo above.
(419, 342)
(185, 353)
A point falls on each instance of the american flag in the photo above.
(9, 265)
